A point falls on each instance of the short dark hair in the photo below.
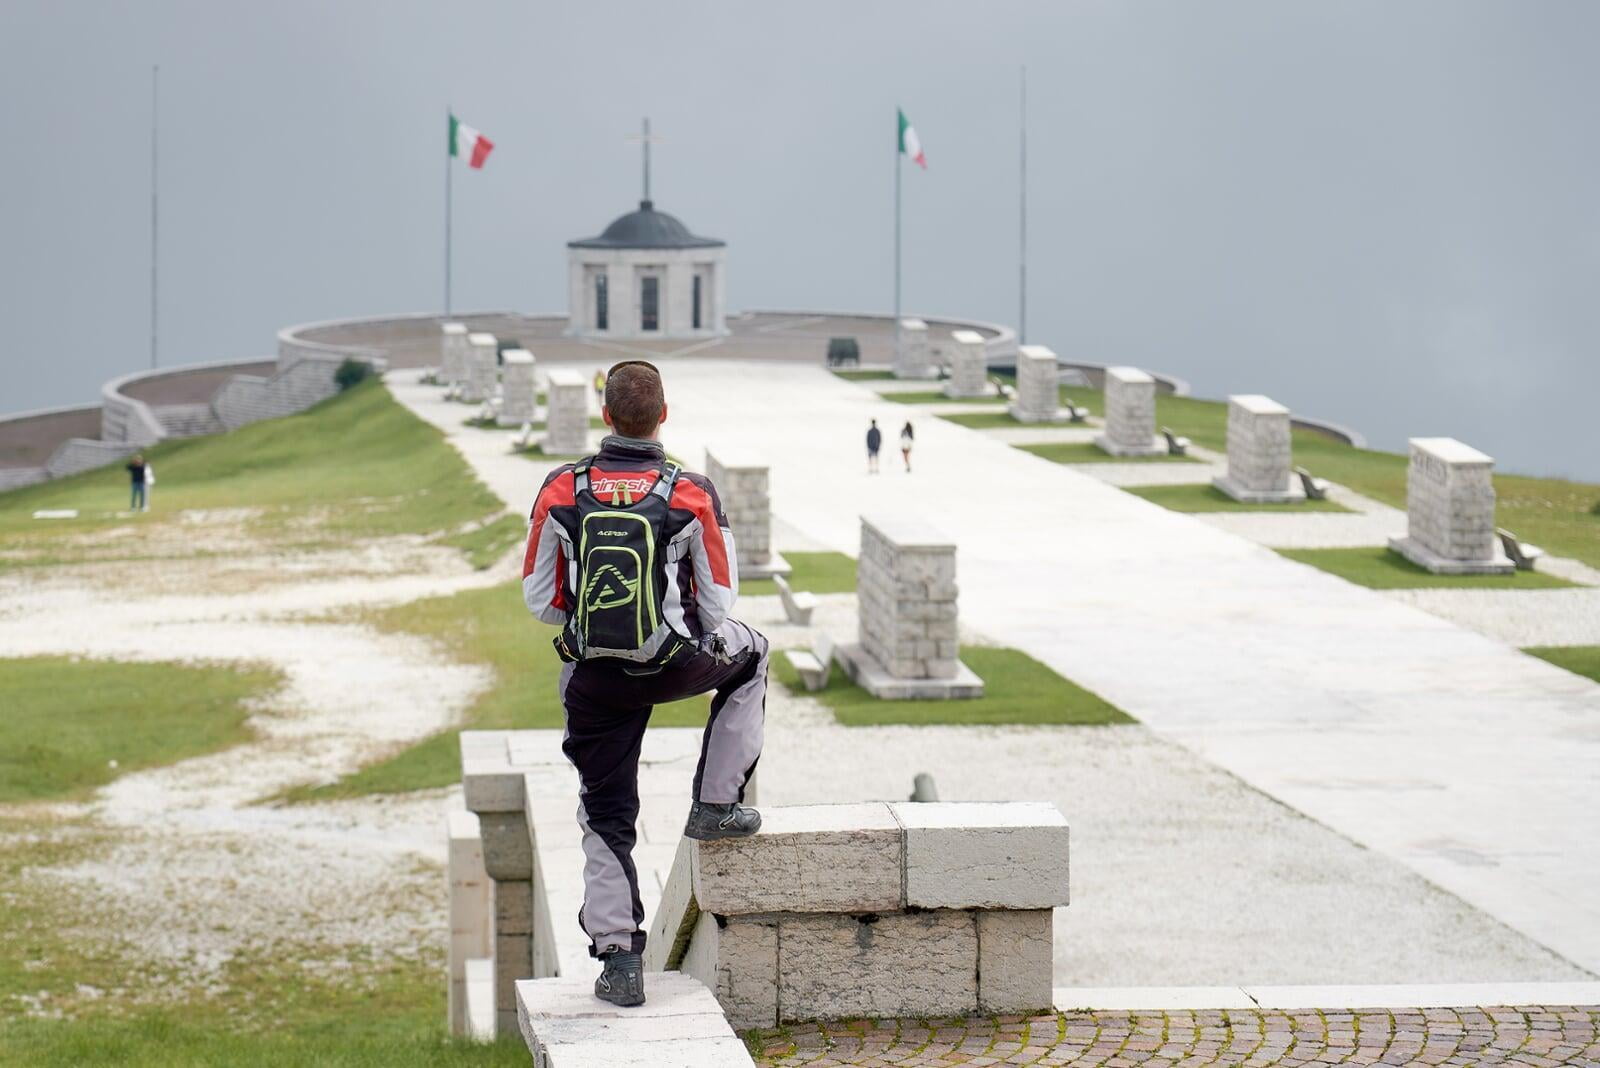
(635, 398)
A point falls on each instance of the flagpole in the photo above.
(449, 202)
(155, 88)
(1022, 231)
(897, 155)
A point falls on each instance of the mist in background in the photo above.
(1378, 213)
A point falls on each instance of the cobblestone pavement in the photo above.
(1528, 1034)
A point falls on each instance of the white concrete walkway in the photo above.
(1476, 766)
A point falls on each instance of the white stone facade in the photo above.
(567, 418)
(913, 354)
(741, 483)
(969, 366)
(1038, 397)
(901, 909)
(519, 390)
(1130, 407)
(1258, 452)
(624, 271)
(908, 636)
(482, 370)
(452, 353)
(1450, 510)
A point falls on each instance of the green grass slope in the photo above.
(70, 725)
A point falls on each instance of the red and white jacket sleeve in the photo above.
(711, 549)
(544, 565)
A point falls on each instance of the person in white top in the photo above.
(907, 438)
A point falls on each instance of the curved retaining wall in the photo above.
(999, 340)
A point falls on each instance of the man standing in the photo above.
(138, 495)
(874, 443)
(634, 560)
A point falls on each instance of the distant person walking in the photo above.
(140, 476)
(907, 438)
(874, 443)
(600, 387)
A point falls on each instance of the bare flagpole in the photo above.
(1022, 232)
(155, 97)
(449, 201)
(897, 155)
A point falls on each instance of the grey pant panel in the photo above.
(738, 721)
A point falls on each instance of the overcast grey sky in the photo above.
(1378, 212)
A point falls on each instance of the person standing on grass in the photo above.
(138, 471)
(874, 443)
(907, 438)
(635, 561)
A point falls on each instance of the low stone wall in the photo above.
(16, 477)
(27, 439)
(127, 419)
(83, 454)
(1450, 504)
(875, 910)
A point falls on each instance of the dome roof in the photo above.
(647, 228)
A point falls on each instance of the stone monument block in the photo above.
(482, 371)
(452, 353)
(1258, 452)
(519, 392)
(913, 357)
(908, 639)
(741, 482)
(1450, 511)
(1038, 397)
(969, 366)
(1130, 403)
(567, 418)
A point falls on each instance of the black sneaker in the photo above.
(709, 822)
(621, 979)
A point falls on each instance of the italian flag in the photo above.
(910, 143)
(465, 141)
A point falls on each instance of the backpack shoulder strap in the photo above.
(580, 475)
(668, 479)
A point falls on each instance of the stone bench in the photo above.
(1177, 444)
(1314, 488)
(680, 1025)
(797, 607)
(870, 910)
(815, 666)
(1526, 557)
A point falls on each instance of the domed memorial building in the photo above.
(646, 276)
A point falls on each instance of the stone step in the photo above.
(680, 1025)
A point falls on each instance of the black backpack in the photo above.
(621, 572)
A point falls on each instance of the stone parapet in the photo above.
(969, 367)
(519, 390)
(482, 372)
(1130, 414)
(1038, 396)
(741, 483)
(1258, 452)
(1450, 503)
(906, 587)
(680, 1025)
(567, 418)
(471, 921)
(913, 355)
(843, 911)
(452, 353)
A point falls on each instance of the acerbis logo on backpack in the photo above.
(620, 571)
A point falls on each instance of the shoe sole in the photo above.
(624, 1003)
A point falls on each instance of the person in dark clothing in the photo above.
(136, 470)
(608, 699)
(874, 443)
